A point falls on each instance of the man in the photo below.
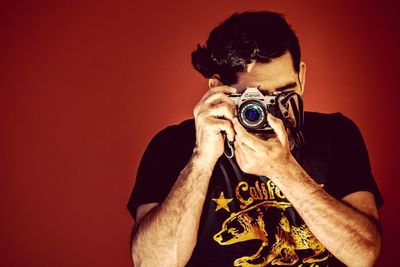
(299, 195)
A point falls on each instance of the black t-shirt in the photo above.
(246, 220)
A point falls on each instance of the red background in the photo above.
(85, 85)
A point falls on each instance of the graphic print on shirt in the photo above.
(263, 206)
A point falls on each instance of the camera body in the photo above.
(253, 107)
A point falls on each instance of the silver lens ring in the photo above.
(252, 114)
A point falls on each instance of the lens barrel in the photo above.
(252, 114)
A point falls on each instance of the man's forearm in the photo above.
(167, 234)
(347, 233)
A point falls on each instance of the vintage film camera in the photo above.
(253, 106)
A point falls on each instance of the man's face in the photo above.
(275, 76)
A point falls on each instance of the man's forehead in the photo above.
(274, 74)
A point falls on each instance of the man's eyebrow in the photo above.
(286, 86)
(281, 88)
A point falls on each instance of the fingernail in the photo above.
(233, 89)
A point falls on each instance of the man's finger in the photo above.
(239, 153)
(243, 146)
(223, 89)
(219, 98)
(224, 126)
(279, 128)
(222, 110)
(248, 139)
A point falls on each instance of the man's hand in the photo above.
(262, 157)
(213, 115)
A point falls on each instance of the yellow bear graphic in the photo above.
(249, 224)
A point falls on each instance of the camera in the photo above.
(253, 107)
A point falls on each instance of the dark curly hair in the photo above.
(242, 38)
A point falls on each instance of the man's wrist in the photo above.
(284, 169)
(202, 162)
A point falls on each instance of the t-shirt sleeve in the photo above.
(350, 169)
(161, 163)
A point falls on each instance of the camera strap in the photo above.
(229, 149)
(291, 108)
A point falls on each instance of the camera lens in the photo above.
(252, 114)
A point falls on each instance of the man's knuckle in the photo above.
(220, 123)
(215, 89)
(196, 110)
(225, 105)
(201, 117)
(227, 123)
(220, 94)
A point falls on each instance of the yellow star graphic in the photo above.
(222, 202)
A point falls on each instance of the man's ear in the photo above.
(302, 76)
(214, 81)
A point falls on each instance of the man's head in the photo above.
(244, 40)
(255, 49)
